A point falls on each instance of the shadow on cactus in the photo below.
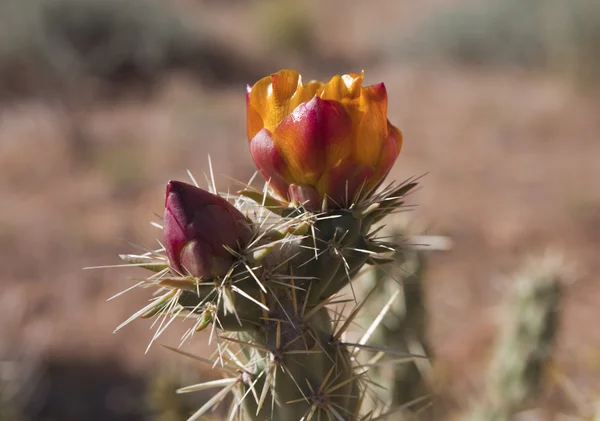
(262, 269)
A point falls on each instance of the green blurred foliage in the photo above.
(557, 35)
(52, 44)
(80, 48)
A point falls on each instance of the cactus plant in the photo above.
(264, 268)
(526, 342)
(404, 326)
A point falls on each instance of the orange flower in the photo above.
(321, 139)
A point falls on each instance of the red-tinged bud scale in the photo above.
(197, 228)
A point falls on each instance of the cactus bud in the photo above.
(197, 226)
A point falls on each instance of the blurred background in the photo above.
(103, 101)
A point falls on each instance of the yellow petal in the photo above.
(353, 83)
(270, 96)
(343, 87)
(314, 87)
(335, 89)
(285, 83)
(304, 94)
(258, 101)
(372, 130)
(254, 121)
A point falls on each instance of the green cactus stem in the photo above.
(525, 345)
(281, 348)
(404, 327)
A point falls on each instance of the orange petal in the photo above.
(396, 134)
(342, 87)
(317, 133)
(304, 93)
(257, 95)
(314, 87)
(270, 96)
(371, 131)
(389, 153)
(254, 121)
(334, 89)
(354, 84)
(285, 83)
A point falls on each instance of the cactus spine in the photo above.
(404, 326)
(281, 349)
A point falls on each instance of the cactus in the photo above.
(404, 326)
(282, 350)
(264, 268)
(525, 345)
(266, 271)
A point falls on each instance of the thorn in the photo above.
(192, 178)
(212, 402)
(377, 320)
(355, 312)
(212, 176)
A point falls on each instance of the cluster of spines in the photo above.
(404, 325)
(289, 275)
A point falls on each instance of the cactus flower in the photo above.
(197, 226)
(321, 140)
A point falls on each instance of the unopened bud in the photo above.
(198, 228)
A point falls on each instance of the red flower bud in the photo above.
(196, 227)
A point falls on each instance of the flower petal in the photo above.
(270, 96)
(285, 83)
(343, 87)
(316, 135)
(391, 149)
(389, 154)
(371, 132)
(312, 88)
(269, 161)
(304, 93)
(254, 121)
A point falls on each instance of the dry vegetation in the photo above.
(511, 150)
